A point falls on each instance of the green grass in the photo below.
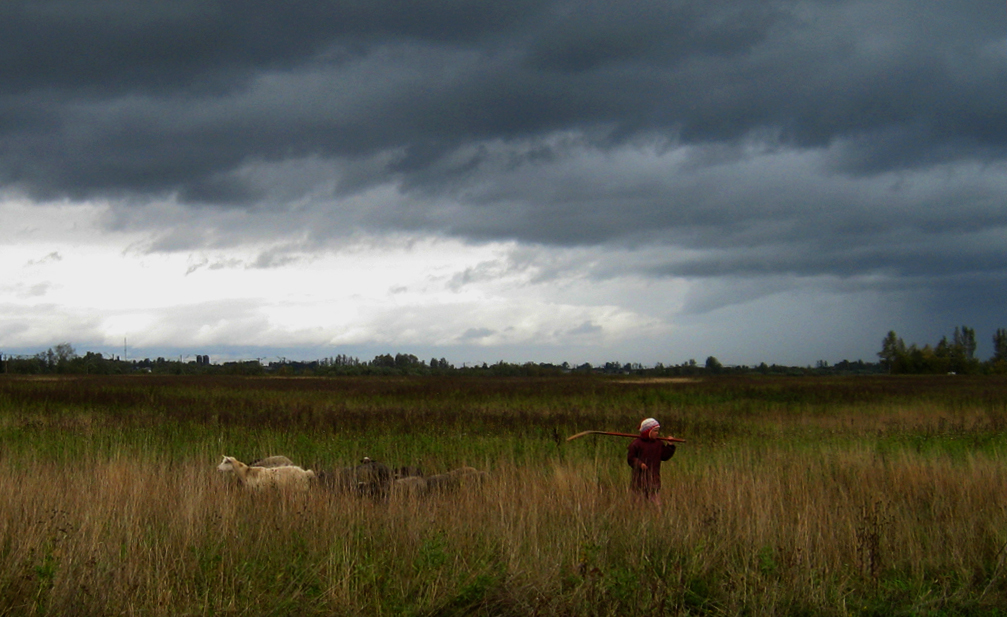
(824, 496)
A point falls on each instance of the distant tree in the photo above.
(943, 349)
(383, 361)
(966, 339)
(64, 352)
(713, 365)
(963, 351)
(954, 356)
(892, 351)
(1000, 345)
(403, 360)
(612, 367)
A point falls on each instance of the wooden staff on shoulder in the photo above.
(582, 433)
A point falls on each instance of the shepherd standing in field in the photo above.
(645, 456)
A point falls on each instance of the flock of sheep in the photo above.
(369, 478)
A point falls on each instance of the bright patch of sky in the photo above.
(70, 280)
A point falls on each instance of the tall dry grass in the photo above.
(781, 503)
(762, 531)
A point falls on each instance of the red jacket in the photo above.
(651, 452)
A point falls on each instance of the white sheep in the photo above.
(442, 483)
(410, 486)
(469, 475)
(287, 477)
(269, 461)
(272, 461)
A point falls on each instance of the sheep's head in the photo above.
(226, 465)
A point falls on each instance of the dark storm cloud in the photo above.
(100, 98)
(104, 47)
(801, 137)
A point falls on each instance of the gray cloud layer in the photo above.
(172, 96)
(790, 138)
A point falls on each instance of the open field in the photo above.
(807, 496)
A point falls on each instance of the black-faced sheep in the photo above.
(370, 478)
(287, 477)
(407, 472)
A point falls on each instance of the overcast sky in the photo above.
(529, 180)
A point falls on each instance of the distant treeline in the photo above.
(63, 359)
(957, 355)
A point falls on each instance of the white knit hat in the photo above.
(648, 424)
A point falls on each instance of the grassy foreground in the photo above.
(838, 496)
